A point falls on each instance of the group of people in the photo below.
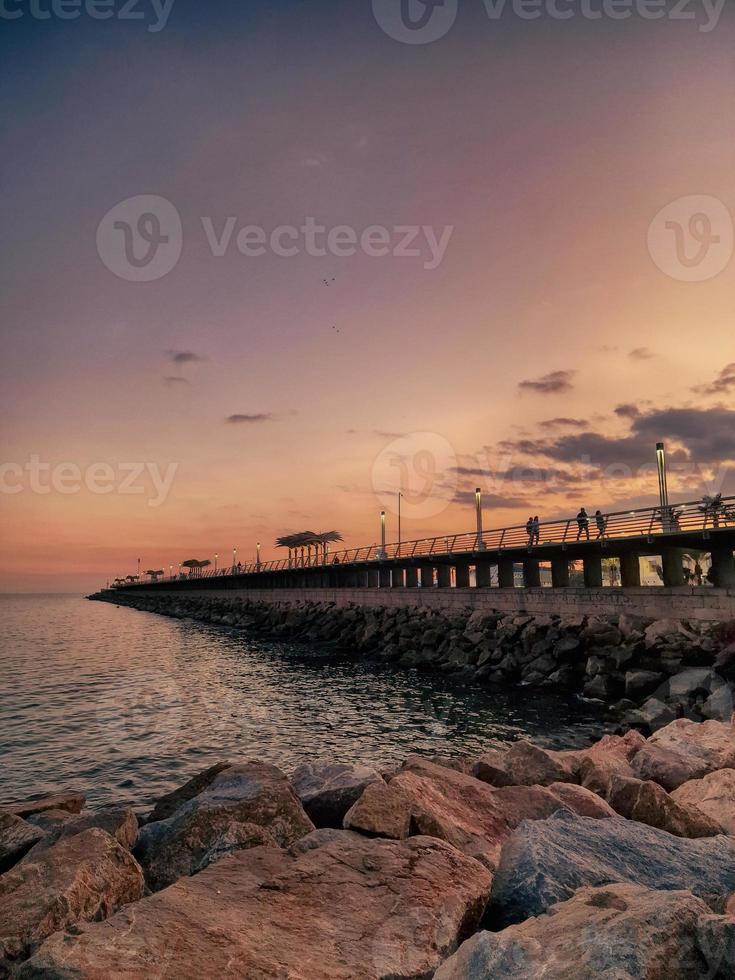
(533, 527)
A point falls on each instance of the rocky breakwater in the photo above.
(647, 672)
(522, 863)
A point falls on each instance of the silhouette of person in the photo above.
(583, 524)
(530, 531)
(536, 530)
(600, 522)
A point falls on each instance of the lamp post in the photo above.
(215, 563)
(234, 559)
(478, 511)
(663, 488)
(382, 534)
(257, 561)
(139, 569)
(399, 523)
(170, 571)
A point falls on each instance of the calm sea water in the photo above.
(125, 705)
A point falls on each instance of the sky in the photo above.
(268, 263)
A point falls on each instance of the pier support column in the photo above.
(412, 577)
(592, 572)
(399, 581)
(384, 578)
(482, 574)
(559, 573)
(531, 574)
(723, 567)
(444, 576)
(373, 578)
(630, 571)
(427, 576)
(462, 576)
(506, 579)
(673, 567)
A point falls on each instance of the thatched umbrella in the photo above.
(154, 575)
(195, 566)
(325, 539)
(287, 541)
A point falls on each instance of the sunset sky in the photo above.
(555, 341)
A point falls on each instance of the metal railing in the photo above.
(651, 522)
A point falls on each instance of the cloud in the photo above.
(641, 354)
(564, 423)
(173, 379)
(388, 435)
(488, 499)
(250, 419)
(627, 411)
(723, 384)
(708, 435)
(550, 384)
(184, 357)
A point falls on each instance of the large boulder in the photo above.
(242, 806)
(685, 750)
(611, 755)
(17, 836)
(169, 803)
(649, 803)
(80, 879)
(529, 765)
(347, 907)
(714, 795)
(545, 861)
(327, 790)
(118, 821)
(425, 798)
(689, 682)
(620, 931)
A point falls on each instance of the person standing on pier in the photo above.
(600, 522)
(530, 531)
(583, 524)
(536, 530)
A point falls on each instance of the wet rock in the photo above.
(685, 750)
(649, 803)
(651, 716)
(118, 821)
(169, 803)
(71, 802)
(530, 765)
(351, 907)
(80, 879)
(16, 838)
(546, 861)
(714, 795)
(686, 683)
(639, 683)
(621, 930)
(243, 806)
(327, 790)
(720, 705)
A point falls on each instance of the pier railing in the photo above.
(644, 524)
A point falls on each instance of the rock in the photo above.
(530, 765)
(349, 907)
(118, 821)
(684, 684)
(725, 662)
(620, 931)
(664, 629)
(545, 861)
(81, 878)
(639, 683)
(719, 706)
(327, 790)
(649, 803)
(382, 811)
(490, 767)
(71, 802)
(713, 794)
(685, 750)
(169, 803)
(539, 802)
(243, 806)
(16, 838)
(580, 800)
(652, 715)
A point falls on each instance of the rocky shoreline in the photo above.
(615, 860)
(646, 672)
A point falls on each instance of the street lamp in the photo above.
(234, 559)
(215, 563)
(170, 571)
(382, 534)
(258, 552)
(399, 523)
(663, 488)
(478, 510)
